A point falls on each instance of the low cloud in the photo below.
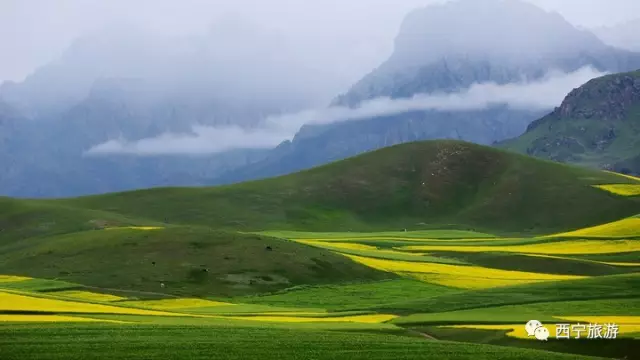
(545, 93)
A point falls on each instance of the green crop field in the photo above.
(437, 250)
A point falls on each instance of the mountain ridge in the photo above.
(597, 124)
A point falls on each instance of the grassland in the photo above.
(413, 251)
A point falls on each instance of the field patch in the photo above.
(627, 227)
(401, 235)
(34, 284)
(19, 303)
(365, 319)
(181, 303)
(351, 296)
(51, 318)
(142, 228)
(544, 311)
(11, 278)
(621, 189)
(460, 276)
(569, 247)
(87, 295)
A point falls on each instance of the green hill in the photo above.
(197, 248)
(188, 260)
(597, 125)
(416, 186)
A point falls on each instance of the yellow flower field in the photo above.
(365, 319)
(572, 247)
(52, 318)
(18, 302)
(467, 282)
(11, 278)
(457, 275)
(144, 228)
(87, 295)
(360, 238)
(337, 245)
(169, 304)
(620, 228)
(621, 189)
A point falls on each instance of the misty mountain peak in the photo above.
(451, 46)
(505, 30)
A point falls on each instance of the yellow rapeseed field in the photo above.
(621, 189)
(620, 228)
(145, 228)
(366, 319)
(383, 238)
(168, 304)
(19, 302)
(52, 318)
(337, 245)
(11, 278)
(467, 282)
(572, 247)
(87, 295)
(457, 275)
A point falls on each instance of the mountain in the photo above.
(449, 49)
(597, 124)
(623, 36)
(172, 234)
(125, 84)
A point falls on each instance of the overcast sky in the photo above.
(34, 32)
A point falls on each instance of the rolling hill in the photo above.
(203, 241)
(415, 186)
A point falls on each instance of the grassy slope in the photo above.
(602, 287)
(566, 266)
(439, 183)
(351, 296)
(182, 342)
(189, 260)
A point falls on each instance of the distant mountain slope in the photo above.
(623, 36)
(445, 49)
(126, 84)
(439, 183)
(597, 125)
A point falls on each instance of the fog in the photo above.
(346, 38)
(546, 93)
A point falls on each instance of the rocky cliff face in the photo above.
(610, 98)
(597, 124)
